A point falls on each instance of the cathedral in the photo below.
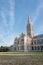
(28, 42)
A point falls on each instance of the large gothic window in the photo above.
(35, 47)
(34, 42)
(40, 41)
(22, 39)
(32, 48)
(41, 47)
(38, 48)
(18, 48)
(14, 48)
(22, 47)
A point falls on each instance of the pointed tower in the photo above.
(30, 31)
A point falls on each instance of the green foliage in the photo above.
(4, 49)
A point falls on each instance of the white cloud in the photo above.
(37, 12)
(3, 18)
(40, 29)
(7, 33)
(12, 13)
(35, 17)
(7, 39)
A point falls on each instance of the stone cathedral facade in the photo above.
(28, 42)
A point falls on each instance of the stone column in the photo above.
(25, 47)
(19, 47)
(33, 45)
(36, 46)
(40, 48)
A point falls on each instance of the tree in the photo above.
(4, 49)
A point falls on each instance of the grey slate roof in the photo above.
(39, 36)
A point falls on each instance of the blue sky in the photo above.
(14, 15)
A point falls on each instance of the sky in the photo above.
(14, 16)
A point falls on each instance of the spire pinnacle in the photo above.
(28, 19)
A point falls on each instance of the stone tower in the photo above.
(30, 31)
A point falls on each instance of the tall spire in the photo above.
(29, 19)
(30, 31)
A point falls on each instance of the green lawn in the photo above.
(21, 58)
(20, 53)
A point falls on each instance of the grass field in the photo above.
(21, 53)
(21, 58)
